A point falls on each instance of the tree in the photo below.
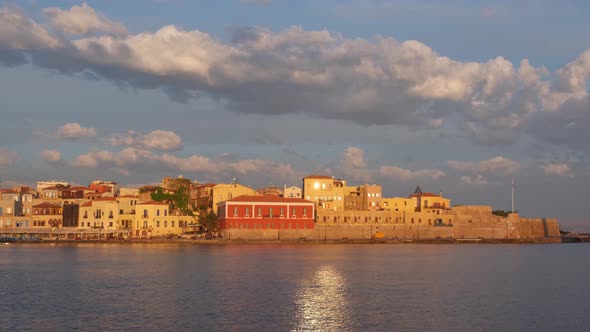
(209, 222)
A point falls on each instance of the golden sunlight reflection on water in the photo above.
(321, 302)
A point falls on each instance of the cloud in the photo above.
(7, 157)
(558, 169)
(51, 156)
(83, 20)
(403, 174)
(127, 158)
(477, 180)
(354, 165)
(496, 166)
(162, 140)
(377, 81)
(73, 131)
(18, 33)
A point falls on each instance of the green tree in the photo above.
(209, 222)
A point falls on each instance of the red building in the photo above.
(265, 212)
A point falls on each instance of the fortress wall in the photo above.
(342, 225)
(269, 234)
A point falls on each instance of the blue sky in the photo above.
(455, 96)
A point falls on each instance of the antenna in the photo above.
(513, 195)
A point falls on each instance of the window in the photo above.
(259, 212)
(282, 211)
(165, 212)
(304, 212)
(158, 223)
(235, 211)
(247, 211)
(158, 212)
(145, 214)
(111, 224)
(172, 224)
(165, 223)
(270, 212)
(120, 211)
(293, 212)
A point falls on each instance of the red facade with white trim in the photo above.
(265, 212)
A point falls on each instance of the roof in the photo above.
(8, 191)
(425, 195)
(267, 198)
(80, 188)
(151, 203)
(314, 176)
(86, 204)
(128, 196)
(112, 199)
(46, 205)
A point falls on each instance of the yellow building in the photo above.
(425, 201)
(327, 192)
(153, 219)
(127, 206)
(47, 215)
(362, 198)
(398, 204)
(101, 213)
(223, 192)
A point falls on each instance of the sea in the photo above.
(295, 287)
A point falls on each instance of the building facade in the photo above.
(256, 212)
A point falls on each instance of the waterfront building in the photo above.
(425, 201)
(154, 219)
(259, 212)
(47, 214)
(398, 204)
(100, 213)
(325, 191)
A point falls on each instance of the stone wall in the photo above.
(363, 225)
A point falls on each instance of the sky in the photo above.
(459, 97)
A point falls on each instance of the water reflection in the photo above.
(321, 302)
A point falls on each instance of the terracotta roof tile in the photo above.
(315, 176)
(151, 203)
(46, 205)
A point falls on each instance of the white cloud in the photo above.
(369, 81)
(354, 164)
(497, 166)
(7, 157)
(51, 156)
(20, 33)
(407, 175)
(558, 169)
(133, 157)
(162, 140)
(83, 20)
(477, 180)
(73, 131)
